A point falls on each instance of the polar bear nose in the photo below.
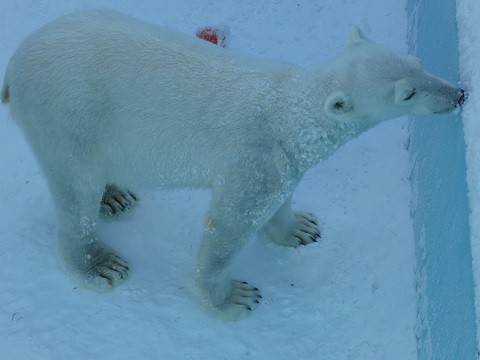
(463, 97)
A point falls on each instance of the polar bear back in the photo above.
(98, 75)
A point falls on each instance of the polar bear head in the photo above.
(376, 83)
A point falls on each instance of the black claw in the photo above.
(106, 277)
(128, 202)
(239, 303)
(300, 241)
(256, 301)
(313, 239)
(112, 209)
(260, 296)
(120, 262)
(119, 201)
(255, 289)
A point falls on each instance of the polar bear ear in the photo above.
(356, 37)
(338, 105)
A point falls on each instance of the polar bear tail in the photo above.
(5, 92)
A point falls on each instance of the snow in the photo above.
(469, 53)
(351, 296)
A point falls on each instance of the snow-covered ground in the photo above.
(469, 49)
(351, 296)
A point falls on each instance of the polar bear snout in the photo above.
(455, 97)
(444, 98)
(463, 97)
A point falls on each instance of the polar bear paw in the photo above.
(305, 231)
(240, 302)
(97, 266)
(116, 201)
(106, 271)
(237, 303)
(244, 295)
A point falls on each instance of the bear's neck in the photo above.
(300, 123)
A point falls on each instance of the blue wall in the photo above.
(446, 326)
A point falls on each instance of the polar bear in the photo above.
(108, 103)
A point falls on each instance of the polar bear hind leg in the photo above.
(116, 201)
(82, 254)
(288, 228)
(76, 192)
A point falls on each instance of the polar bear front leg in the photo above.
(231, 222)
(230, 299)
(288, 228)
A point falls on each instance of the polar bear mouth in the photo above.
(446, 110)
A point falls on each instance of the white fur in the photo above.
(104, 99)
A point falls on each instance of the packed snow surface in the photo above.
(469, 52)
(350, 296)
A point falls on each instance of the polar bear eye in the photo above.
(410, 94)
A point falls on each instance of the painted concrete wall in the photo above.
(446, 317)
